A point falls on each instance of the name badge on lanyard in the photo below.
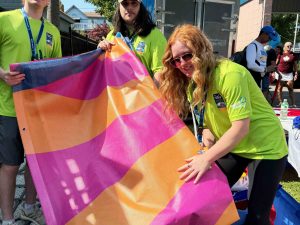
(33, 44)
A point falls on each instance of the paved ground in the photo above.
(285, 94)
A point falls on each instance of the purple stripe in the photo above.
(39, 73)
(100, 74)
(99, 163)
(197, 204)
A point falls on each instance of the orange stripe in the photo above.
(119, 49)
(53, 127)
(229, 215)
(145, 190)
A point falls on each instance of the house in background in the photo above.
(84, 21)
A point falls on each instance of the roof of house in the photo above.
(93, 14)
(87, 14)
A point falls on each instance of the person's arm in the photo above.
(277, 60)
(107, 43)
(208, 139)
(156, 79)
(11, 78)
(295, 67)
(197, 165)
(251, 52)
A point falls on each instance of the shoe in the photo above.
(35, 216)
(293, 106)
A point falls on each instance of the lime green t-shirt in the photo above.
(149, 49)
(15, 48)
(234, 95)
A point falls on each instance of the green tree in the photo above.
(285, 26)
(105, 7)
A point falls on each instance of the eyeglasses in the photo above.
(134, 4)
(176, 62)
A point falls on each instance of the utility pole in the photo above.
(53, 12)
(296, 30)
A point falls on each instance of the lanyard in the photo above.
(33, 45)
(127, 40)
(198, 117)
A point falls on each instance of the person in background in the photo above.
(24, 36)
(278, 50)
(256, 56)
(234, 111)
(134, 22)
(271, 60)
(288, 72)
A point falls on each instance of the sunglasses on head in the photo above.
(127, 3)
(176, 62)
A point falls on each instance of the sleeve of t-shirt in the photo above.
(158, 46)
(110, 36)
(1, 31)
(235, 91)
(57, 52)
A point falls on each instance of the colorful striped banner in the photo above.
(102, 149)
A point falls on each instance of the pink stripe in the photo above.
(99, 163)
(196, 204)
(100, 74)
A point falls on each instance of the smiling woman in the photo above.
(229, 108)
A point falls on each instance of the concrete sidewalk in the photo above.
(285, 94)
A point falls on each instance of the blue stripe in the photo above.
(40, 73)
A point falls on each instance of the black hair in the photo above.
(143, 23)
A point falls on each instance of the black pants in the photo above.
(257, 77)
(266, 178)
(11, 147)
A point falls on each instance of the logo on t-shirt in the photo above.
(141, 47)
(286, 58)
(263, 56)
(241, 103)
(49, 39)
(219, 101)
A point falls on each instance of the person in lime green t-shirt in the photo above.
(232, 110)
(24, 36)
(133, 21)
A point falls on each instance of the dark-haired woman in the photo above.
(134, 22)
